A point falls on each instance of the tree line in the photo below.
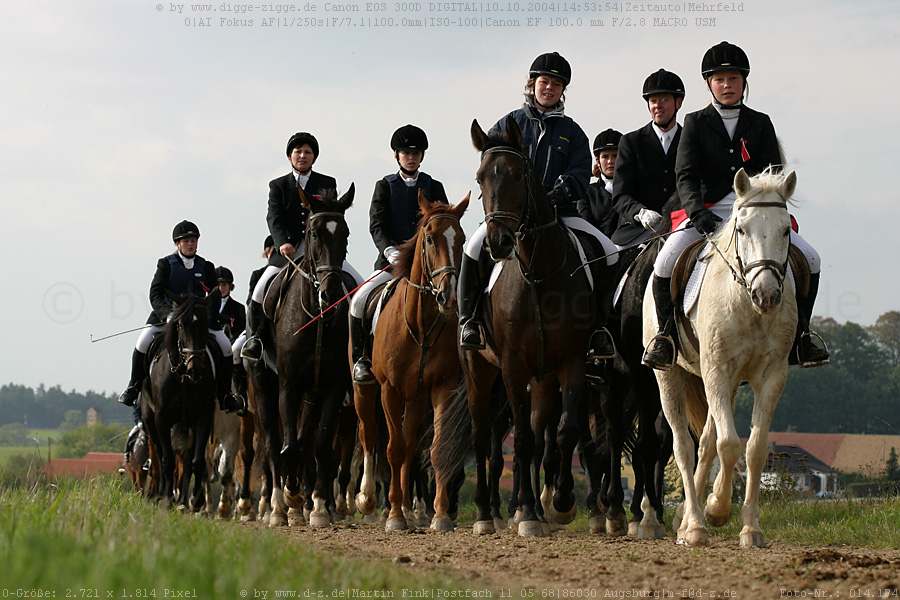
(858, 392)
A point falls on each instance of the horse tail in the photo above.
(697, 406)
(455, 446)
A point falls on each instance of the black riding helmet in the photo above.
(185, 229)
(606, 140)
(224, 275)
(300, 138)
(409, 138)
(663, 82)
(725, 57)
(551, 64)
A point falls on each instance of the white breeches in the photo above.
(473, 247)
(361, 297)
(143, 341)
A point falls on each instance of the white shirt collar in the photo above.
(188, 262)
(409, 181)
(302, 179)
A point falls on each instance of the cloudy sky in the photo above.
(119, 118)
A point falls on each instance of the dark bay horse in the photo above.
(180, 400)
(414, 360)
(298, 408)
(538, 321)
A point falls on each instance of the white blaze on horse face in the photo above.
(450, 234)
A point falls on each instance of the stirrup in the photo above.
(605, 349)
(807, 364)
(236, 405)
(245, 352)
(654, 362)
(362, 372)
(474, 329)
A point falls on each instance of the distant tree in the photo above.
(886, 332)
(13, 434)
(102, 438)
(74, 420)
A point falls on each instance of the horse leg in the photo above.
(524, 440)
(248, 453)
(495, 468)
(480, 377)
(766, 397)
(611, 404)
(567, 434)
(648, 447)
(589, 456)
(364, 397)
(265, 385)
(672, 386)
(412, 470)
(323, 494)
(289, 405)
(396, 453)
(198, 460)
(441, 521)
(720, 390)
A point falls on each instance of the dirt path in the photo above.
(575, 564)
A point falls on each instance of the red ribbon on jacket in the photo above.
(744, 154)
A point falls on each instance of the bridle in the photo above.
(778, 269)
(185, 356)
(522, 231)
(428, 275)
(317, 274)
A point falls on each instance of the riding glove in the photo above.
(650, 219)
(705, 220)
(392, 255)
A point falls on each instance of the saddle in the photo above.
(276, 290)
(684, 285)
(212, 349)
(377, 300)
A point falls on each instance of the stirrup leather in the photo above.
(651, 345)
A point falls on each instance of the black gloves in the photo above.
(705, 220)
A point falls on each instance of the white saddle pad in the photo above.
(498, 267)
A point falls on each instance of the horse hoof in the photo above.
(695, 537)
(499, 523)
(365, 504)
(548, 528)
(244, 506)
(617, 527)
(634, 528)
(511, 523)
(319, 520)
(661, 532)
(370, 518)
(295, 517)
(277, 520)
(597, 525)
(531, 529)
(248, 517)
(441, 525)
(715, 520)
(396, 524)
(484, 528)
(649, 533)
(753, 539)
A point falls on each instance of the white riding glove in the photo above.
(650, 219)
(392, 255)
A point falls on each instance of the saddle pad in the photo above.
(386, 292)
(276, 289)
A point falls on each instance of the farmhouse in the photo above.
(92, 463)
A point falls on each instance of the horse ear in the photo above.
(424, 204)
(479, 137)
(742, 183)
(514, 134)
(460, 208)
(789, 185)
(175, 298)
(347, 199)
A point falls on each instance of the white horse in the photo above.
(220, 455)
(744, 320)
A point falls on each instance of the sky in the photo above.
(120, 118)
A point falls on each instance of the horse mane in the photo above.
(410, 247)
(498, 139)
(766, 182)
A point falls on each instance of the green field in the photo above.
(96, 535)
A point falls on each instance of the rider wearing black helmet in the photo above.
(393, 219)
(559, 151)
(231, 312)
(725, 136)
(183, 272)
(597, 207)
(645, 170)
(287, 223)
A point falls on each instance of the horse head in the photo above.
(441, 239)
(326, 243)
(761, 228)
(186, 335)
(508, 188)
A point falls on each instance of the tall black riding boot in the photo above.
(362, 366)
(660, 352)
(228, 401)
(471, 331)
(130, 395)
(808, 353)
(601, 344)
(239, 379)
(252, 349)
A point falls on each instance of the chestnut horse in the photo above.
(414, 360)
(538, 321)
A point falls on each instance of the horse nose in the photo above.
(501, 247)
(766, 300)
